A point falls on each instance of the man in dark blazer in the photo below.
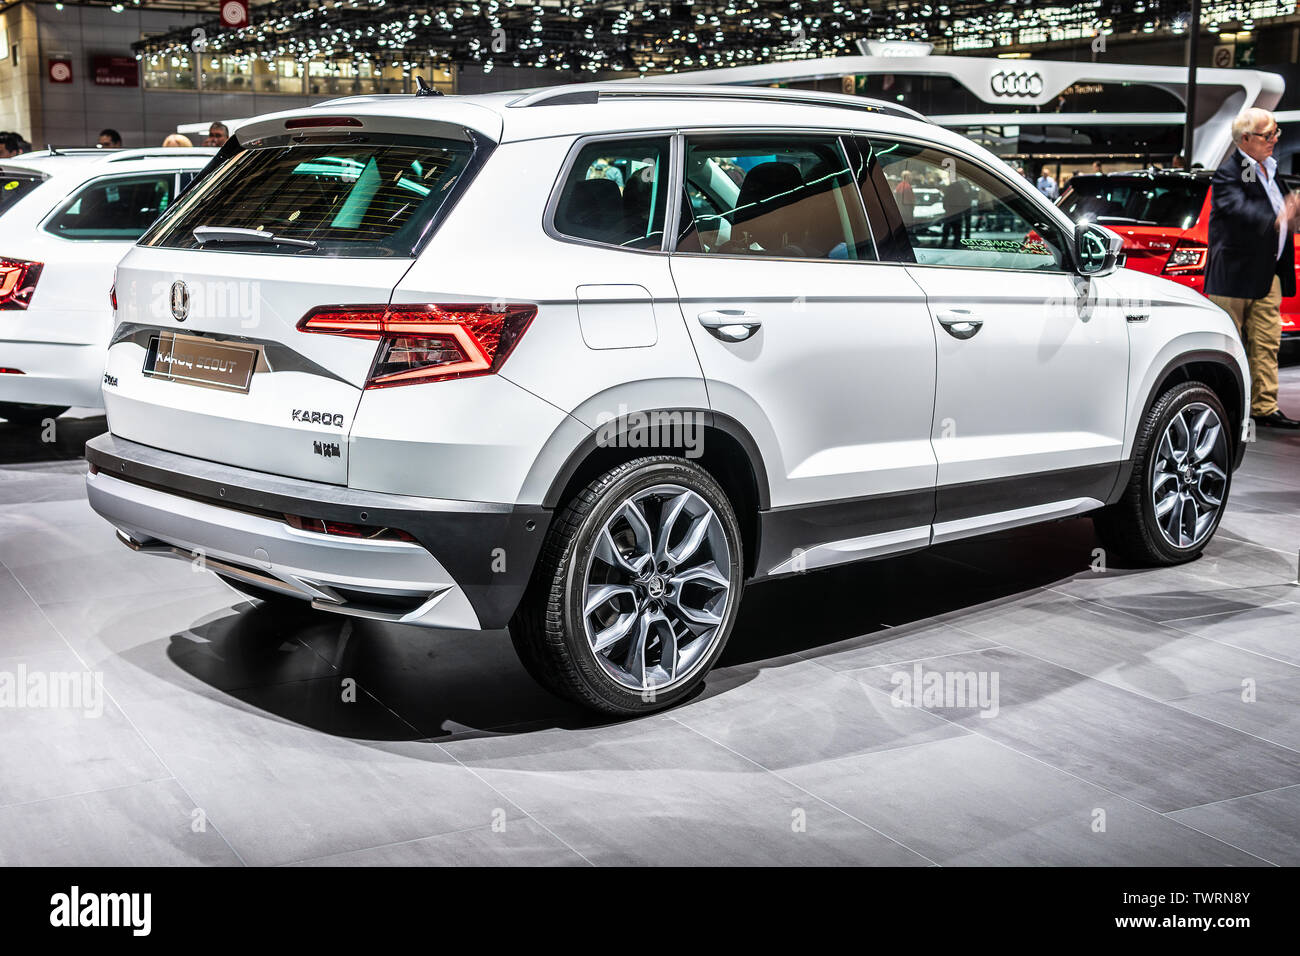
(1251, 265)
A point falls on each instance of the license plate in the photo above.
(192, 360)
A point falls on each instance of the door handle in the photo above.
(959, 323)
(730, 325)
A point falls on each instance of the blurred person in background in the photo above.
(109, 139)
(218, 133)
(1251, 265)
(176, 139)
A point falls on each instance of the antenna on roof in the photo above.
(422, 88)
(49, 148)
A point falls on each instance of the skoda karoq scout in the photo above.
(583, 362)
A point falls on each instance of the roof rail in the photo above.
(162, 152)
(575, 94)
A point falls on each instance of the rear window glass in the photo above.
(1129, 200)
(120, 208)
(14, 186)
(370, 195)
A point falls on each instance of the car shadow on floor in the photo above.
(380, 682)
(62, 440)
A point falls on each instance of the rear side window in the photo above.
(14, 186)
(779, 196)
(616, 193)
(365, 196)
(121, 208)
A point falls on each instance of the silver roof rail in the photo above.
(576, 94)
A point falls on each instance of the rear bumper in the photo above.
(54, 373)
(468, 571)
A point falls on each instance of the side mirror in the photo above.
(1096, 249)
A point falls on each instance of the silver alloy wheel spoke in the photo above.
(657, 588)
(1189, 476)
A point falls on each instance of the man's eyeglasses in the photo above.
(1272, 135)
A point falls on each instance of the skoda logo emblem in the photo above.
(180, 301)
(1016, 84)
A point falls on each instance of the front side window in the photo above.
(118, 209)
(785, 196)
(363, 196)
(616, 193)
(956, 214)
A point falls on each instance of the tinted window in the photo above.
(765, 195)
(1135, 200)
(616, 193)
(370, 197)
(121, 208)
(957, 214)
(15, 185)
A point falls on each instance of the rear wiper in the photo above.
(208, 235)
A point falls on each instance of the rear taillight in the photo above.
(112, 296)
(1188, 258)
(344, 529)
(427, 343)
(18, 282)
(11, 371)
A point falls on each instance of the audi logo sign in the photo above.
(1016, 84)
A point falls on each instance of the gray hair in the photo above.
(1247, 121)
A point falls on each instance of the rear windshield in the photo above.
(14, 185)
(1141, 202)
(371, 195)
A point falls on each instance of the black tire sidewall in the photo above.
(1182, 396)
(652, 473)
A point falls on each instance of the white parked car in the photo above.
(426, 360)
(66, 218)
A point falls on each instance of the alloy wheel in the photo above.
(657, 588)
(1189, 476)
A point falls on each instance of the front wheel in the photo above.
(1182, 470)
(636, 589)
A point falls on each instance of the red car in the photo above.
(1164, 217)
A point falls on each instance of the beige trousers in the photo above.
(1259, 322)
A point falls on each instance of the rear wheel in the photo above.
(636, 589)
(1182, 470)
(17, 414)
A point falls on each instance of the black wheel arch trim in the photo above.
(623, 430)
(1186, 358)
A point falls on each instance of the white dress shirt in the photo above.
(1268, 176)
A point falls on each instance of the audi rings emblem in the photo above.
(180, 301)
(1016, 84)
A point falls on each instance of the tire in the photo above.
(1134, 527)
(668, 606)
(17, 414)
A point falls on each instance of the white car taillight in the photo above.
(427, 343)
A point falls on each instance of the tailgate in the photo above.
(214, 367)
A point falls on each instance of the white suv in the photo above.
(66, 218)
(587, 360)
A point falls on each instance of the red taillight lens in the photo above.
(345, 530)
(1188, 258)
(427, 343)
(112, 296)
(11, 371)
(18, 282)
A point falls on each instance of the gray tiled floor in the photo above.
(1142, 717)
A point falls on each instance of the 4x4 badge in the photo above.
(180, 301)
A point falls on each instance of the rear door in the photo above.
(824, 352)
(208, 359)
